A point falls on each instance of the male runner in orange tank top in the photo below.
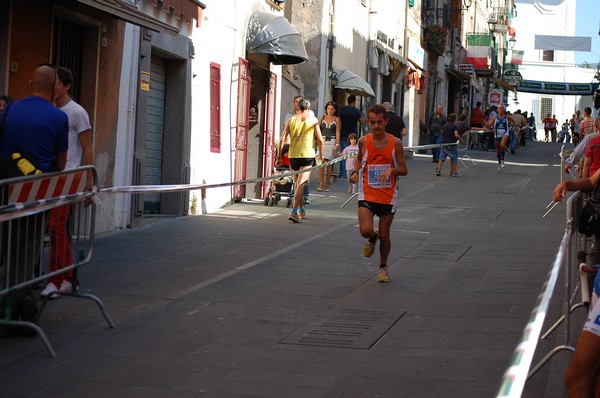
(381, 158)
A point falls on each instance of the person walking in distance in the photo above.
(434, 129)
(381, 158)
(350, 117)
(499, 124)
(80, 152)
(303, 130)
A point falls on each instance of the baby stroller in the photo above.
(281, 187)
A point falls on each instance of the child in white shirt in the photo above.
(352, 150)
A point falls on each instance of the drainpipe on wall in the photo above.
(126, 121)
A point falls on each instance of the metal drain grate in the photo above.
(345, 328)
(438, 251)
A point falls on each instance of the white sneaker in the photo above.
(50, 291)
(498, 168)
(502, 164)
(65, 286)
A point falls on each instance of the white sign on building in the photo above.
(495, 97)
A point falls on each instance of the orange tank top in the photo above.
(374, 163)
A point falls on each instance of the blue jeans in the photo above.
(343, 145)
(449, 152)
(513, 142)
(435, 139)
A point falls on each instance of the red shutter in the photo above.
(215, 108)
(269, 134)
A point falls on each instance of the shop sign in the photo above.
(495, 97)
(467, 68)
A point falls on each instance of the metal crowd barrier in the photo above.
(26, 243)
(575, 295)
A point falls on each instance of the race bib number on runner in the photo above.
(375, 171)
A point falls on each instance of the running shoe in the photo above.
(382, 275)
(301, 214)
(454, 174)
(437, 173)
(369, 248)
(293, 217)
(502, 164)
(50, 291)
(498, 168)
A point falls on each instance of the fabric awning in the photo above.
(504, 84)
(399, 58)
(459, 74)
(130, 14)
(352, 83)
(273, 35)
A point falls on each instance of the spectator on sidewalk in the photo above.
(582, 378)
(587, 123)
(79, 153)
(477, 116)
(351, 118)
(381, 158)
(596, 105)
(351, 151)
(532, 127)
(34, 128)
(395, 124)
(450, 134)
(575, 121)
(330, 129)
(520, 122)
(578, 153)
(434, 128)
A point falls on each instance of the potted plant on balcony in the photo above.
(435, 37)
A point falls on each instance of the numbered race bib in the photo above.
(500, 131)
(374, 173)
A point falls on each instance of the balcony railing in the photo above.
(499, 20)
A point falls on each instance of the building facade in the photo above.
(188, 91)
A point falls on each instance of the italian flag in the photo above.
(517, 57)
(478, 50)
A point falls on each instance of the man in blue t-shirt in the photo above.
(36, 128)
(350, 117)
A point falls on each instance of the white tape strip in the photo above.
(193, 187)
